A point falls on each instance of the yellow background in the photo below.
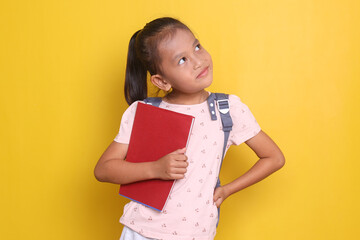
(295, 63)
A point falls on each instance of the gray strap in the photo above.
(154, 101)
(222, 101)
(211, 104)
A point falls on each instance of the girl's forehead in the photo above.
(180, 41)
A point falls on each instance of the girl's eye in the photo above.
(197, 48)
(182, 61)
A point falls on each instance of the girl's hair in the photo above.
(143, 55)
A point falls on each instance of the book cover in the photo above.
(156, 132)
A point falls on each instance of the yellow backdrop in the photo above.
(295, 63)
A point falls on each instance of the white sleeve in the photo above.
(245, 125)
(126, 124)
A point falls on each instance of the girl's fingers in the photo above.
(180, 157)
(217, 197)
(175, 164)
(181, 164)
(218, 202)
(179, 170)
(176, 176)
(179, 151)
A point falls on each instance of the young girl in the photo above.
(179, 65)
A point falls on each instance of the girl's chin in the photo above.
(208, 82)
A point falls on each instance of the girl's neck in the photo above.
(175, 97)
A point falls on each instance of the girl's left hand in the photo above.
(220, 194)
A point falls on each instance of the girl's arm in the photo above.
(113, 168)
(271, 160)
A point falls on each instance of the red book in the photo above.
(156, 132)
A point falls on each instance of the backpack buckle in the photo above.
(223, 105)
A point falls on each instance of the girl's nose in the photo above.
(197, 63)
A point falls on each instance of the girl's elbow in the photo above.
(99, 175)
(279, 161)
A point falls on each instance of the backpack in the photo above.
(220, 100)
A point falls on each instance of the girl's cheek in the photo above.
(206, 54)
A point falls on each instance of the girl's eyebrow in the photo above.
(182, 53)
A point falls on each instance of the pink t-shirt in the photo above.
(190, 212)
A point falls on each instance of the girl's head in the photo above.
(168, 50)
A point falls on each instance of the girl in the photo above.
(179, 65)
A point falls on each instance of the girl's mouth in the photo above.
(203, 73)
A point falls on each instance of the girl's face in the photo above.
(185, 65)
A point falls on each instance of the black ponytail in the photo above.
(143, 55)
(135, 76)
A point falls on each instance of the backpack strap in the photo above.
(154, 101)
(222, 102)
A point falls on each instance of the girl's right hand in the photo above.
(172, 166)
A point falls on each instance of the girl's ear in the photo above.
(160, 82)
